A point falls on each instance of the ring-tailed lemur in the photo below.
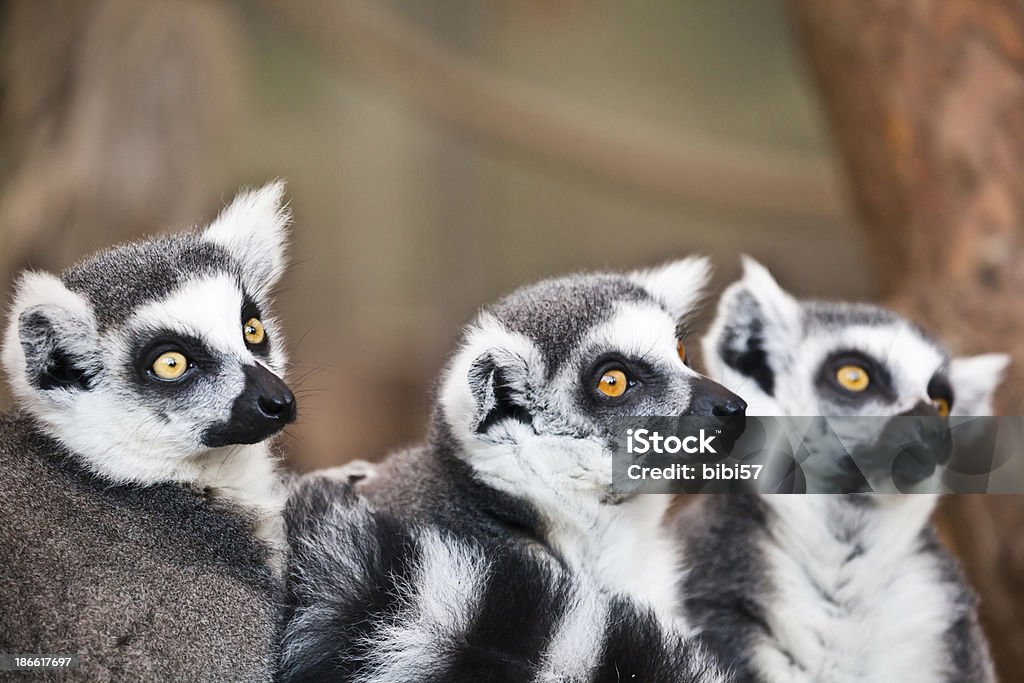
(380, 598)
(831, 588)
(520, 456)
(142, 506)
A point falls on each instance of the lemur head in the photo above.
(790, 357)
(152, 354)
(837, 360)
(542, 374)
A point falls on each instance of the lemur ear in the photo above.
(678, 285)
(757, 321)
(975, 380)
(254, 230)
(50, 343)
(497, 382)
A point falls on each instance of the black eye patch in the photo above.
(642, 376)
(250, 309)
(879, 388)
(154, 344)
(939, 387)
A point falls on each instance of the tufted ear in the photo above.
(678, 285)
(757, 321)
(50, 342)
(498, 383)
(254, 230)
(975, 380)
(489, 379)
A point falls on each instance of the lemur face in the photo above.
(789, 357)
(162, 349)
(543, 373)
(805, 359)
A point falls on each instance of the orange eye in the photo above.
(613, 383)
(253, 331)
(853, 378)
(681, 350)
(941, 405)
(170, 365)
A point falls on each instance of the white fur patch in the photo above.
(209, 309)
(442, 599)
(579, 638)
(975, 380)
(839, 617)
(623, 546)
(639, 330)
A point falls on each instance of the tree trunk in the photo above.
(926, 101)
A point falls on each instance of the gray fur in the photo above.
(555, 314)
(721, 595)
(118, 281)
(145, 584)
(837, 315)
(970, 659)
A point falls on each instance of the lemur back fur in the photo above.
(378, 598)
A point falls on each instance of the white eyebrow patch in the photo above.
(207, 308)
(637, 329)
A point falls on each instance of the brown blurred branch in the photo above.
(514, 115)
(926, 100)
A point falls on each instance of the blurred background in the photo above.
(440, 153)
(413, 205)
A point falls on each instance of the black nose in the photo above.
(278, 406)
(730, 408)
(273, 399)
(262, 409)
(711, 398)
